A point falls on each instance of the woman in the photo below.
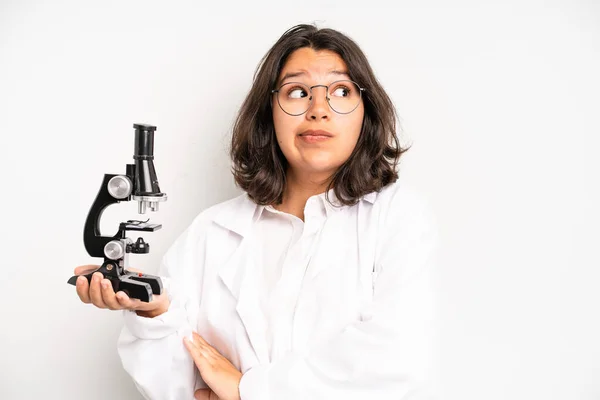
(313, 284)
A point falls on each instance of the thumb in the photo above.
(201, 394)
(84, 269)
(205, 394)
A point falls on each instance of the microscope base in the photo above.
(135, 285)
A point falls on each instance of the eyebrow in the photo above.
(295, 74)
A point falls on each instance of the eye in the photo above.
(296, 93)
(341, 91)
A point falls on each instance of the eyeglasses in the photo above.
(295, 98)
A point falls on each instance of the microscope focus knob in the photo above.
(114, 250)
(120, 187)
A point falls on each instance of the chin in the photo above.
(320, 164)
(320, 169)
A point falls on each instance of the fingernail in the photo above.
(105, 284)
(80, 280)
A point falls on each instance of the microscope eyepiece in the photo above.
(144, 142)
(147, 191)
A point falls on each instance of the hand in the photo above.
(217, 372)
(101, 294)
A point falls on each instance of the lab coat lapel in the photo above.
(239, 275)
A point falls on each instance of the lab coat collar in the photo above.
(370, 197)
(244, 211)
(330, 206)
(239, 216)
(335, 205)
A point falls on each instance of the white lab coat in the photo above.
(362, 325)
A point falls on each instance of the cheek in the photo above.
(278, 124)
(285, 126)
(354, 127)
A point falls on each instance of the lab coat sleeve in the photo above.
(151, 349)
(388, 353)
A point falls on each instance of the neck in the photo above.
(299, 188)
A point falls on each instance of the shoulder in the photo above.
(223, 206)
(400, 198)
(407, 227)
(226, 207)
(406, 212)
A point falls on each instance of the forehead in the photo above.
(311, 63)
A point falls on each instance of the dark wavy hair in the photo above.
(259, 166)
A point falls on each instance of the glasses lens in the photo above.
(294, 98)
(344, 96)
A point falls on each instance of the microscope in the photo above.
(139, 183)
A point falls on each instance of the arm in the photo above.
(151, 349)
(388, 353)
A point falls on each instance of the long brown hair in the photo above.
(259, 167)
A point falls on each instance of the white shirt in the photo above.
(284, 249)
(345, 309)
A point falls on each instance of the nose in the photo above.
(319, 107)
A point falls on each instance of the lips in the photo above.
(314, 137)
(315, 133)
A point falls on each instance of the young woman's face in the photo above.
(306, 149)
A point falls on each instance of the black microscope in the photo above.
(138, 183)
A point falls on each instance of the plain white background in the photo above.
(499, 99)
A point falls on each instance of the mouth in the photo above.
(319, 134)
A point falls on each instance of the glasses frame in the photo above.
(310, 88)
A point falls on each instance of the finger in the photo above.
(96, 291)
(127, 302)
(83, 288)
(200, 340)
(209, 355)
(85, 269)
(108, 295)
(202, 394)
(206, 394)
(191, 346)
(203, 345)
(197, 353)
(124, 300)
